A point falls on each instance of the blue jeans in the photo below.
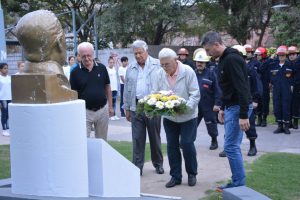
(186, 133)
(4, 113)
(114, 95)
(233, 138)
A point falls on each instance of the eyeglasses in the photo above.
(167, 65)
(86, 56)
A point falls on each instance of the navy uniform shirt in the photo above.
(90, 85)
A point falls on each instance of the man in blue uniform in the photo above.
(294, 58)
(252, 61)
(281, 80)
(264, 69)
(210, 101)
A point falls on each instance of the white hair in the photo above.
(167, 53)
(139, 44)
(85, 45)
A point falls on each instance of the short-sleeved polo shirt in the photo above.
(90, 85)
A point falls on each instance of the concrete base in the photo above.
(242, 193)
(5, 194)
(110, 174)
(49, 149)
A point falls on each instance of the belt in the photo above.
(95, 108)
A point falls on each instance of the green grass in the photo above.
(4, 161)
(276, 175)
(124, 148)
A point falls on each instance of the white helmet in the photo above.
(201, 56)
(240, 48)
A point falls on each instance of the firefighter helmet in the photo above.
(292, 49)
(261, 51)
(281, 50)
(240, 48)
(249, 48)
(201, 56)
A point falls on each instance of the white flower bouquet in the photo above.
(162, 103)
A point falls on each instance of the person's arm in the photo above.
(237, 71)
(109, 99)
(239, 77)
(194, 91)
(126, 106)
(217, 92)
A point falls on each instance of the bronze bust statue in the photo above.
(43, 40)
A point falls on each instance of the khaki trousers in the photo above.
(100, 120)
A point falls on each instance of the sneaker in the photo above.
(112, 118)
(5, 133)
(117, 118)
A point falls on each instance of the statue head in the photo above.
(42, 37)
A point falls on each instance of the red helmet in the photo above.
(248, 48)
(282, 50)
(182, 51)
(261, 51)
(292, 49)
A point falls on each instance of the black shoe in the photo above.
(295, 124)
(264, 122)
(222, 154)
(192, 180)
(286, 129)
(159, 170)
(213, 145)
(279, 129)
(252, 151)
(172, 183)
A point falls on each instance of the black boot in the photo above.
(264, 121)
(279, 129)
(286, 128)
(295, 123)
(259, 120)
(214, 143)
(252, 151)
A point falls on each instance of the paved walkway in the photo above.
(211, 168)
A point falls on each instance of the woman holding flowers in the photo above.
(181, 128)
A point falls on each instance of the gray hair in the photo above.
(210, 38)
(85, 45)
(167, 53)
(139, 44)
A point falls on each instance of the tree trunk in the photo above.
(264, 27)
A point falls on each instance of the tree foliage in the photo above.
(237, 18)
(286, 25)
(149, 20)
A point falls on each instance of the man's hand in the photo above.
(221, 116)
(111, 111)
(216, 108)
(244, 124)
(128, 116)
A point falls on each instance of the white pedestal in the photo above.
(110, 174)
(49, 149)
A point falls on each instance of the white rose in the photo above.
(141, 101)
(159, 105)
(151, 101)
(176, 102)
(182, 100)
(169, 104)
(166, 93)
